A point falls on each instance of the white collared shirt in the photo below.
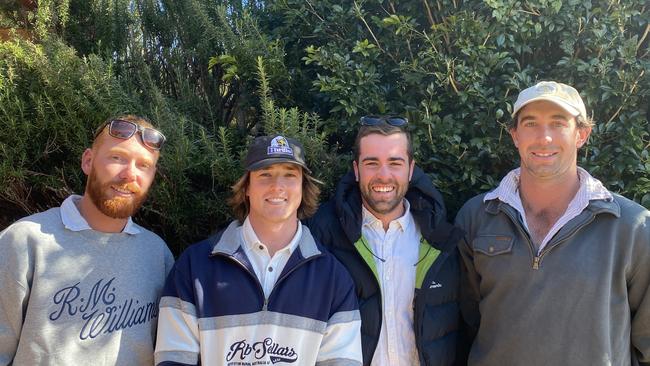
(590, 189)
(72, 219)
(399, 247)
(267, 268)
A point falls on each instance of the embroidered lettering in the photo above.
(259, 350)
(99, 311)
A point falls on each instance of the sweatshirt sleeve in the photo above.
(177, 341)
(16, 270)
(341, 344)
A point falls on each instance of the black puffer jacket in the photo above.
(337, 225)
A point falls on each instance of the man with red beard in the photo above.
(81, 282)
(387, 224)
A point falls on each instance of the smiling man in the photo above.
(556, 265)
(262, 291)
(387, 224)
(80, 283)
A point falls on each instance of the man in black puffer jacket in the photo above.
(387, 224)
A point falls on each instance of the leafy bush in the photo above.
(455, 67)
(213, 74)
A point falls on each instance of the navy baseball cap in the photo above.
(268, 150)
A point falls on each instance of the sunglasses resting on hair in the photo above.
(391, 120)
(122, 129)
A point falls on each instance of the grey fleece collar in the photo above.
(231, 240)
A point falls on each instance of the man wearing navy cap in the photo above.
(262, 291)
(557, 267)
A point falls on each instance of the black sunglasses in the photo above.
(391, 120)
(122, 129)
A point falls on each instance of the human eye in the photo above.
(371, 163)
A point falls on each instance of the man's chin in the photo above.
(119, 208)
(384, 207)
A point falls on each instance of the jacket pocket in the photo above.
(492, 245)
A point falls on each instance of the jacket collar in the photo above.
(426, 203)
(230, 242)
(595, 207)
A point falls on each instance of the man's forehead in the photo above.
(132, 145)
(375, 143)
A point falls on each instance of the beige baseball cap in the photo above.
(563, 95)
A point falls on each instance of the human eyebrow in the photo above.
(560, 116)
(526, 119)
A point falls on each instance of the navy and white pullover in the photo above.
(213, 310)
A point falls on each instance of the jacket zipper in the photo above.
(290, 271)
(537, 258)
(257, 281)
(243, 266)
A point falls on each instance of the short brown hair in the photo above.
(384, 129)
(308, 205)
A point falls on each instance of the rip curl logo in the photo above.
(100, 311)
(279, 145)
(240, 351)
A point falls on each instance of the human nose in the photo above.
(277, 182)
(383, 171)
(545, 135)
(129, 173)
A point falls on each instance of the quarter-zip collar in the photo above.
(596, 207)
(231, 244)
(494, 206)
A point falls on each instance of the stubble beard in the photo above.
(382, 207)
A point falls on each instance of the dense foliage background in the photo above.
(213, 74)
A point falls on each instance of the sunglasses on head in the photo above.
(122, 129)
(391, 120)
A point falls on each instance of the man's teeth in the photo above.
(544, 155)
(122, 190)
(383, 189)
(276, 200)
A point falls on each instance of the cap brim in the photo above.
(270, 161)
(564, 105)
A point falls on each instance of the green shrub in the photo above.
(213, 74)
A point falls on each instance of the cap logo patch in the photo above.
(279, 145)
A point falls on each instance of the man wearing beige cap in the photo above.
(556, 267)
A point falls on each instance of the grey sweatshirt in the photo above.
(584, 300)
(78, 297)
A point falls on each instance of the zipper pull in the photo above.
(266, 303)
(536, 262)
